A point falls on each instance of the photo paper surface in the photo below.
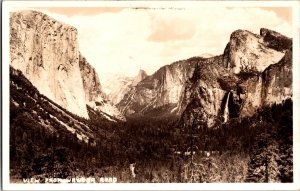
(150, 95)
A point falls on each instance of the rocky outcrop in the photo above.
(94, 95)
(273, 85)
(275, 40)
(159, 93)
(90, 79)
(46, 51)
(254, 71)
(204, 93)
(247, 51)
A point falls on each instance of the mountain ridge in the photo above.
(210, 79)
(168, 83)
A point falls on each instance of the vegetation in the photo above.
(271, 154)
(251, 149)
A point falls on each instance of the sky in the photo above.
(123, 40)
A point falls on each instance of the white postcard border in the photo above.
(10, 5)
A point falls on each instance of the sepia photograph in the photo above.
(134, 93)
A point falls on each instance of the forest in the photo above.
(249, 149)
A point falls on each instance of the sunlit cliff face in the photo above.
(47, 53)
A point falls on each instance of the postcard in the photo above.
(150, 95)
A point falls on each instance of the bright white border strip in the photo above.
(8, 6)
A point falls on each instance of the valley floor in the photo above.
(255, 149)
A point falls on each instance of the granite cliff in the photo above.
(47, 53)
(254, 71)
(160, 92)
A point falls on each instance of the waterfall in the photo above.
(226, 109)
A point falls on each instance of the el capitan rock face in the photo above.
(37, 111)
(46, 51)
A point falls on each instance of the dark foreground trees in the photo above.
(253, 149)
(271, 154)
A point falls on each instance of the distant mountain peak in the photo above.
(141, 76)
(141, 71)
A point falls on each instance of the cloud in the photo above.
(282, 12)
(173, 28)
